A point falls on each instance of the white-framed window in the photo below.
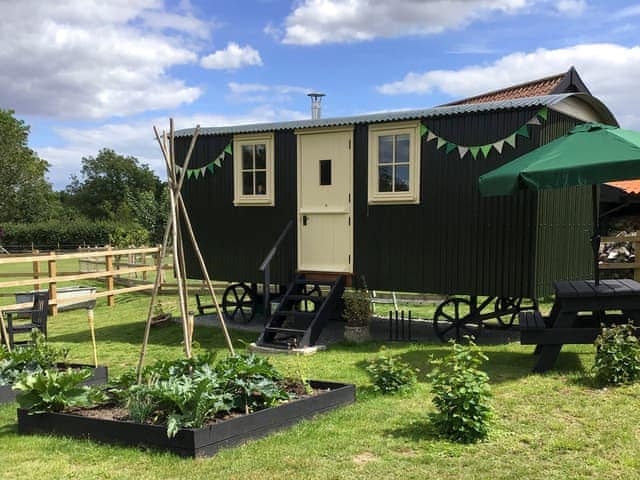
(394, 163)
(253, 170)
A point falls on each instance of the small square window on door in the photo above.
(325, 172)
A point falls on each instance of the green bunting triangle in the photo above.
(474, 151)
(218, 162)
(523, 131)
(542, 113)
(227, 149)
(423, 130)
(450, 147)
(210, 167)
(189, 173)
(511, 140)
(486, 149)
(441, 143)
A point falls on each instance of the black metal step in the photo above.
(306, 281)
(294, 313)
(284, 330)
(313, 298)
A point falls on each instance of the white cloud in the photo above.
(137, 139)
(95, 59)
(327, 21)
(571, 7)
(627, 12)
(610, 71)
(232, 58)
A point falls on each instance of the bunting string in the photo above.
(476, 150)
(209, 167)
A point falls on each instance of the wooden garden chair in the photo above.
(37, 317)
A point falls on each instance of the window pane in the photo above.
(261, 156)
(261, 183)
(247, 183)
(325, 172)
(247, 157)
(402, 178)
(402, 148)
(385, 149)
(385, 182)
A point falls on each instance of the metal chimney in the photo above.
(316, 98)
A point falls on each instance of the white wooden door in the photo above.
(325, 179)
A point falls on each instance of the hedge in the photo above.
(73, 233)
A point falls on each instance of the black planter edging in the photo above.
(99, 376)
(191, 442)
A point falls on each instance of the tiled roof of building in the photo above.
(629, 186)
(564, 82)
(543, 86)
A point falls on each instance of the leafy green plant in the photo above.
(31, 358)
(54, 391)
(461, 394)
(391, 375)
(617, 356)
(357, 308)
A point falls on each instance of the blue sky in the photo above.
(91, 74)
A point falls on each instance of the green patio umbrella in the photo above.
(590, 154)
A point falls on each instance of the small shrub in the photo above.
(617, 356)
(357, 308)
(31, 358)
(461, 394)
(391, 375)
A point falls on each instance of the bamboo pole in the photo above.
(154, 296)
(205, 273)
(5, 335)
(174, 235)
(93, 335)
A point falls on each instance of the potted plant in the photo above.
(357, 314)
(160, 317)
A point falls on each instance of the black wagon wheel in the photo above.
(507, 309)
(453, 319)
(310, 305)
(239, 302)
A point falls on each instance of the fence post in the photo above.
(53, 290)
(636, 271)
(111, 301)
(36, 271)
(144, 263)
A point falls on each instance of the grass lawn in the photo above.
(550, 426)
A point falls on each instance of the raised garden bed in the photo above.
(99, 376)
(192, 442)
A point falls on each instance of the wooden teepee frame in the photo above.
(178, 213)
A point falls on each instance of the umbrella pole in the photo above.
(595, 239)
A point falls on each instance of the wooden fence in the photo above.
(635, 266)
(113, 269)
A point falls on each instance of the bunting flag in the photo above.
(209, 167)
(498, 145)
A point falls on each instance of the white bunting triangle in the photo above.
(462, 151)
(203, 170)
(431, 136)
(498, 145)
(534, 121)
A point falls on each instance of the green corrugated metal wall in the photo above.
(565, 224)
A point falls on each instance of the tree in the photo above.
(119, 188)
(25, 196)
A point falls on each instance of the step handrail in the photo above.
(265, 267)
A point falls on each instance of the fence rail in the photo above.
(109, 259)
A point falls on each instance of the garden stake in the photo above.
(93, 335)
(5, 336)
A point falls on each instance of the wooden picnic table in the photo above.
(579, 309)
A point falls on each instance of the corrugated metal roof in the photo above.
(629, 186)
(544, 100)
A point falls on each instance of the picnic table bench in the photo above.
(579, 309)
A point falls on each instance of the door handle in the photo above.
(304, 220)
